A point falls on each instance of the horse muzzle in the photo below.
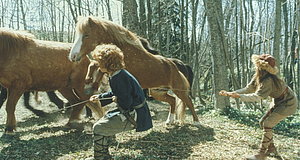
(88, 90)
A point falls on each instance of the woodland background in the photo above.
(215, 37)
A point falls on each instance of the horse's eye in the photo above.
(85, 36)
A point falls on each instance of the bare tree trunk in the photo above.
(159, 27)
(149, 19)
(73, 13)
(130, 15)
(143, 20)
(288, 75)
(186, 44)
(107, 2)
(61, 32)
(182, 27)
(193, 48)
(277, 33)
(23, 14)
(52, 17)
(2, 14)
(218, 49)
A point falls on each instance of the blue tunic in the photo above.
(129, 93)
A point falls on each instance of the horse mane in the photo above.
(11, 41)
(147, 46)
(119, 34)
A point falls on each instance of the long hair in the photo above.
(260, 75)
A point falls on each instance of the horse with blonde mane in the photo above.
(29, 64)
(151, 71)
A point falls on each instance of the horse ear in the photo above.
(91, 21)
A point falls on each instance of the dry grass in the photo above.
(219, 137)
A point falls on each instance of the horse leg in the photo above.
(88, 112)
(72, 98)
(14, 94)
(181, 88)
(90, 107)
(184, 96)
(3, 96)
(28, 106)
(36, 97)
(55, 99)
(163, 95)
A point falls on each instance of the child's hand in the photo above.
(229, 94)
(94, 98)
(114, 99)
(223, 93)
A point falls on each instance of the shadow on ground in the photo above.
(177, 143)
(44, 138)
(290, 126)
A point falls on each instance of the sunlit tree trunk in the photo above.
(143, 19)
(149, 20)
(107, 2)
(218, 50)
(130, 15)
(23, 14)
(277, 32)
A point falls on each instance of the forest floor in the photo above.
(229, 136)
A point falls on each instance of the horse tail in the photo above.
(180, 109)
(147, 46)
(190, 74)
(186, 70)
(190, 77)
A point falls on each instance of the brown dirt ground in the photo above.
(217, 138)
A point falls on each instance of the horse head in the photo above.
(89, 31)
(92, 31)
(93, 78)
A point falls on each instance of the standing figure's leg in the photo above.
(267, 144)
(104, 131)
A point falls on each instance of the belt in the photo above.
(140, 105)
(282, 94)
(127, 113)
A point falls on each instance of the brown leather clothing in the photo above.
(285, 100)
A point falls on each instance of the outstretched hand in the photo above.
(94, 98)
(229, 94)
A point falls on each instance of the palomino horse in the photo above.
(162, 94)
(29, 64)
(93, 78)
(151, 71)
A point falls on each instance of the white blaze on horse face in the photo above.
(75, 51)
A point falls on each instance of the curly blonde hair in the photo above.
(109, 56)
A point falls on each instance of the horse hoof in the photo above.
(39, 113)
(75, 124)
(168, 122)
(9, 131)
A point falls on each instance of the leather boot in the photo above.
(259, 156)
(272, 150)
(265, 143)
(101, 146)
